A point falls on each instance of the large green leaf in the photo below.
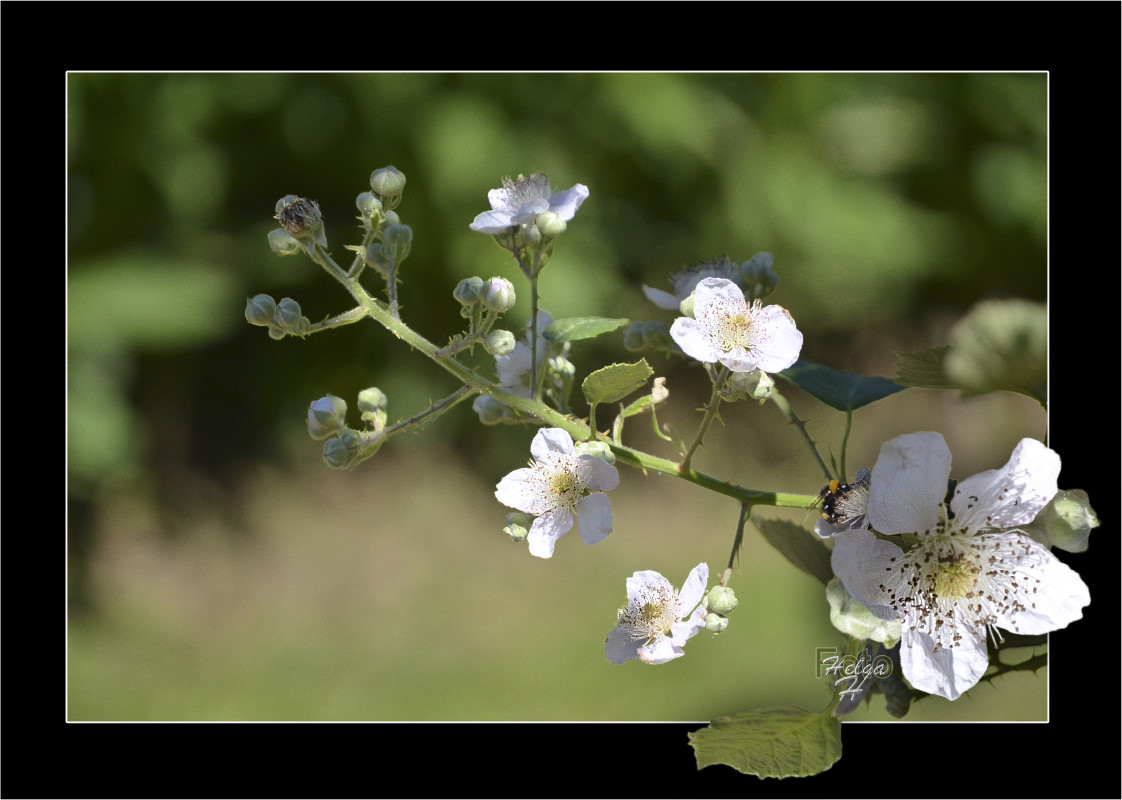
(574, 328)
(776, 742)
(837, 389)
(798, 545)
(615, 381)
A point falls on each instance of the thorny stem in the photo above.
(745, 510)
(785, 407)
(346, 318)
(433, 411)
(710, 413)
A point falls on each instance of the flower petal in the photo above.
(945, 671)
(694, 340)
(662, 299)
(1062, 593)
(909, 482)
(492, 222)
(512, 492)
(647, 578)
(860, 559)
(718, 296)
(681, 632)
(1012, 495)
(551, 440)
(619, 647)
(660, 651)
(600, 476)
(779, 343)
(594, 518)
(565, 204)
(739, 360)
(693, 589)
(547, 529)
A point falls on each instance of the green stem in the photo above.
(785, 407)
(346, 318)
(710, 413)
(845, 441)
(433, 411)
(745, 510)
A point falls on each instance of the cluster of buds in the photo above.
(344, 447)
(282, 319)
(719, 603)
(301, 226)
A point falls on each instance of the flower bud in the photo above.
(370, 208)
(282, 242)
(756, 384)
(490, 410)
(372, 399)
(380, 257)
(531, 235)
(469, 291)
(686, 307)
(518, 525)
(288, 314)
(633, 336)
(853, 619)
(388, 183)
(551, 224)
(595, 448)
(400, 238)
(721, 599)
(499, 343)
(716, 623)
(298, 215)
(1066, 521)
(498, 295)
(326, 416)
(336, 454)
(392, 218)
(259, 310)
(757, 278)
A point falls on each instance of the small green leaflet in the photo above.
(574, 328)
(841, 390)
(615, 381)
(777, 742)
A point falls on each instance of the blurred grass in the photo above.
(218, 571)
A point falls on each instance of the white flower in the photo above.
(686, 281)
(972, 571)
(560, 487)
(657, 620)
(520, 201)
(725, 328)
(513, 369)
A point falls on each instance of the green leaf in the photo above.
(798, 545)
(776, 742)
(615, 381)
(1001, 345)
(924, 369)
(574, 328)
(841, 390)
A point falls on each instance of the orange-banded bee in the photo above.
(845, 503)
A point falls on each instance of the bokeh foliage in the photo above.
(892, 203)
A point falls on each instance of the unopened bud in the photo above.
(518, 525)
(282, 242)
(756, 384)
(686, 307)
(469, 291)
(598, 449)
(498, 295)
(388, 183)
(259, 310)
(853, 619)
(372, 399)
(490, 410)
(368, 205)
(1066, 521)
(633, 336)
(532, 235)
(336, 454)
(721, 599)
(400, 238)
(326, 416)
(716, 623)
(550, 224)
(500, 343)
(288, 314)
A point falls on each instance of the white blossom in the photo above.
(686, 281)
(519, 202)
(743, 337)
(972, 571)
(657, 620)
(560, 487)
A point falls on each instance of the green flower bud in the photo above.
(1066, 521)
(498, 295)
(259, 310)
(757, 278)
(469, 291)
(326, 416)
(379, 257)
(372, 399)
(518, 525)
(532, 235)
(853, 619)
(369, 206)
(282, 242)
(756, 384)
(288, 313)
(550, 224)
(500, 343)
(721, 599)
(490, 410)
(633, 336)
(336, 454)
(595, 448)
(388, 183)
(400, 238)
(716, 623)
(392, 218)
(687, 307)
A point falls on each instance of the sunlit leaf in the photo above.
(776, 742)
(574, 328)
(616, 381)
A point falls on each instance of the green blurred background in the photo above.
(219, 571)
